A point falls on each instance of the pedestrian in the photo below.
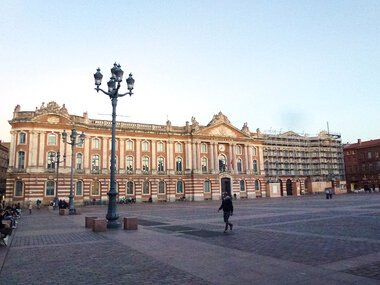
(30, 207)
(228, 210)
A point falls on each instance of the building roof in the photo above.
(364, 144)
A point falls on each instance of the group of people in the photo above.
(11, 214)
(62, 204)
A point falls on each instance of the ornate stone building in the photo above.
(161, 162)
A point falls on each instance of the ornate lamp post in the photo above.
(113, 93)
(57, 161)
(73, 143)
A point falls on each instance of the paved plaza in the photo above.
(289, 240)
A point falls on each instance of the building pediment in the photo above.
(222, 130)
(51, 119)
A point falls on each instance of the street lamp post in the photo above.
(58, 157)
(73, 143)
(113, 93)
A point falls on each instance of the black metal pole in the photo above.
(112, 213)
(55, 201)
(71, 196)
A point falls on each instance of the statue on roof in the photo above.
(218, 119)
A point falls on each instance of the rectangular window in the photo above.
(130, 188)
(161, 187)
(52, 139)
(19, 187)
(79, 188)
(129, 145)
(95, 188)
(204, 148)
(145, 146)
(22, 139)
(369, 155)
(178, 147)
(207, 187)
(160, 147)
(21, 160)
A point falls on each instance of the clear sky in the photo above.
(277, 65)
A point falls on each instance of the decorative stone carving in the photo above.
(168, 125)
(51, 108)
(219, 118)
(258, 132)
(194, 124)
(16, 110)
(245, 129)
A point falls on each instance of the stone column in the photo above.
(138, 155)
(193, 156)
(250, 162)
(122, 155)
(33, 144)
(154, 160)
(188, 156)
(12, 150)
(199, 164)
(170, 152)
(210, 150)
(216, 157)
(234, 158)
(105, 156)
(260, 163)
(86, 156)
(230, 157)
(246, 157)
(42, 153)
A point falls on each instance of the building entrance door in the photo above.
(289, 187)
(226, 185)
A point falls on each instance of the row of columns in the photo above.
(192, 153)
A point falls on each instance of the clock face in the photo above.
(221, 147)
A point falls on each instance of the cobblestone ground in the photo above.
(292, 240)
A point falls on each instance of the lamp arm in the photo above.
(128, 93)
(100, 89)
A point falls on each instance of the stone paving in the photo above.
(291, 240)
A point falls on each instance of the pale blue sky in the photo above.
(278, 65)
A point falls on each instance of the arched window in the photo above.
(178, 147)
(160, 164)
(95, 143)
(242, 185)
(52, 139)
(145, 163)
(19, 188)
(51, 156)
(129, 145)
(95, 162)
(129, 164)
(179, 187)
(160, 147)
(50, 188)
(255, 168)
(161, 187)
(222, 163)
(204, 148)
(207, 187)
(146, 188)
(257, 185)
(22, 138)
(204, 164)
(79, 161)
(130, 188)
(178, 164)
(21, 160)
(145, 146)
(95, 187)
(239, 165)
(79, 188)
(254, 151)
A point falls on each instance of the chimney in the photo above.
(359, 141)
